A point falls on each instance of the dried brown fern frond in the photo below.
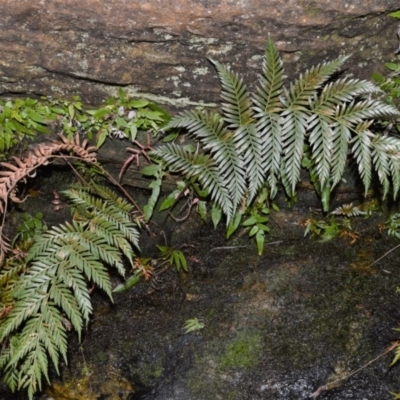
(26, 168)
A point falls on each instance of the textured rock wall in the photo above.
(159, 48)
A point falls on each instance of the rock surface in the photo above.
(159, 49)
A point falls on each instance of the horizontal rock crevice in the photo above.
(160, 49)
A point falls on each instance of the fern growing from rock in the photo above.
(49, 290)
(259, 138)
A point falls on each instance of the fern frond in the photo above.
(395, 171)
(22, 311)
(237, 103)
(10, 271)
(113, 236)
(201, 167)
(271, 82)
(250, 146)
(51, 287)
(267, 113)
(302, 90)
(108, 194)
(321, 138)
(341, 139)
(178, 159)
(213, 182)
(355, 112)
(115, 213)
(62, 296)
(30, 354)
(385, 157)
(296, 120)
(89, 265)
(57, 333)
(338, 92)
(361, 149)
(294, 124)
(270, 130)
(216, 140)
(76, 282)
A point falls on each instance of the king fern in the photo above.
(259, 139)
(48, 290)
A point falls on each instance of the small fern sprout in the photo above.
(348, 210)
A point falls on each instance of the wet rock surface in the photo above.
(159, 49)
(277, 327)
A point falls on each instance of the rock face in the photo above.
(159, 49)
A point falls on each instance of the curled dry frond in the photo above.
(25, 168)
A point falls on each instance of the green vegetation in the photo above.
(28, 229)
(243, 156)
(192, 325)
(118, 117)
(258, 141)
(243, 352)
(50, 284)
(173, 257)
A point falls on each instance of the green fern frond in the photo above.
(22, 311)
(216, 140)
(51, 291)
(271, 82)
(267, 113)
(355, 112)
(76, 233)
(299, 94)
(114, 237)
(108, 206)
(321, 138)
(338, 92)
(212, 181)
(385, 157)
(76, 282)
(178, 159)
(60, 293)
(198, 166)
(382, 146)
(9, 274)
(295, 121)
(250, 146)
(395, 171)
(237, 104)
(294, 126)
(361, 149)
(341, 139)
(29, 353)
(109, 219)
(57, 333)
(89, 265)
(107, 194)
(269, 137)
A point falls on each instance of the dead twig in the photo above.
(380, 258)
(334, 384)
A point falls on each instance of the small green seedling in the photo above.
(192, 325)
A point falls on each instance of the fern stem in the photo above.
(122, 189)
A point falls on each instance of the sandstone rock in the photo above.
(159, 49)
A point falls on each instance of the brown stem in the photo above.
(334, 384)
